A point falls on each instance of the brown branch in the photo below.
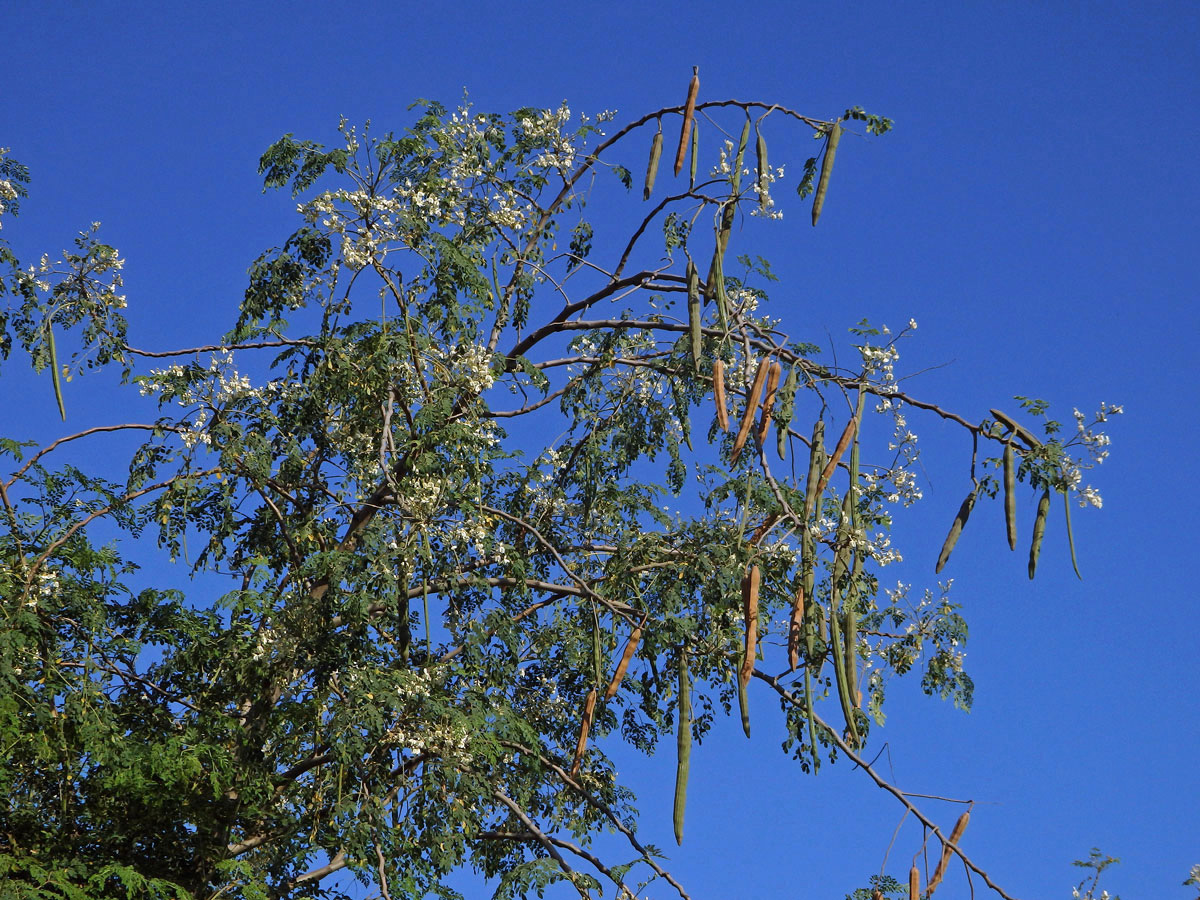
(134, 426)
(216, 348)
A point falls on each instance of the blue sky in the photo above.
(1034, 210)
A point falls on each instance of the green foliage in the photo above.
(423, 532)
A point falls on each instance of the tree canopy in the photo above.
(498, 467)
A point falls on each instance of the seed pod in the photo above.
(58, 394)
(787, 405)
(622, 665)
(796, 624)
(683, 745)
(1070, 535)
(750, 585)
(764, 421)
(1039, 531)
(939, 873)
(1010, 495)
(814, 469)
(914, 884)
(851, 634)
(831, 143)
(694, 323)
(652, 166)
(761, 149)
(585, 725)
(719, 394)
(689, 113)
(761, 531)
(960, 519)
(843, 442)
(695, 154)
(1023, 433)
(812, 720)
(715, 286)
(751, 405)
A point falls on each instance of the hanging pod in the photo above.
(1039, 530)
(831, 144)
(719, 394)
(695, 326)
(689, 113)
(1010, 494)
(940, 872)
(683, 745)
(751, 407)
(656, 146)
(960, 520)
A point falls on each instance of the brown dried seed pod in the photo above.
(914, 884)
(796, 627)
(626, 655)
(652, 166)
(695, 325)
(719, 394)
(764, 422)
(750, 585)
(585, 725)
(843, 442)
(751, 405)
(695, 154)
(938, 873)
(689, 113)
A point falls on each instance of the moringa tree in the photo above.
(420, 484)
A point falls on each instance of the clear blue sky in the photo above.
(1035, 210)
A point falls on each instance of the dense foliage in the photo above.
(465, 514)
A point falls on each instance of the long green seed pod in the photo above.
(1039, 531)
(58, 394)
(1070, 536)
(689, 113)
(1010, 495)
(695, 155)
(851, 629)
(683, 745)
(831, 143)
(652, 167)
(814, 468)
(840, 665)
(787, 408)
(812, 719)
(694, 319)
(761, 152)
(960, 520)
(715, 287)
